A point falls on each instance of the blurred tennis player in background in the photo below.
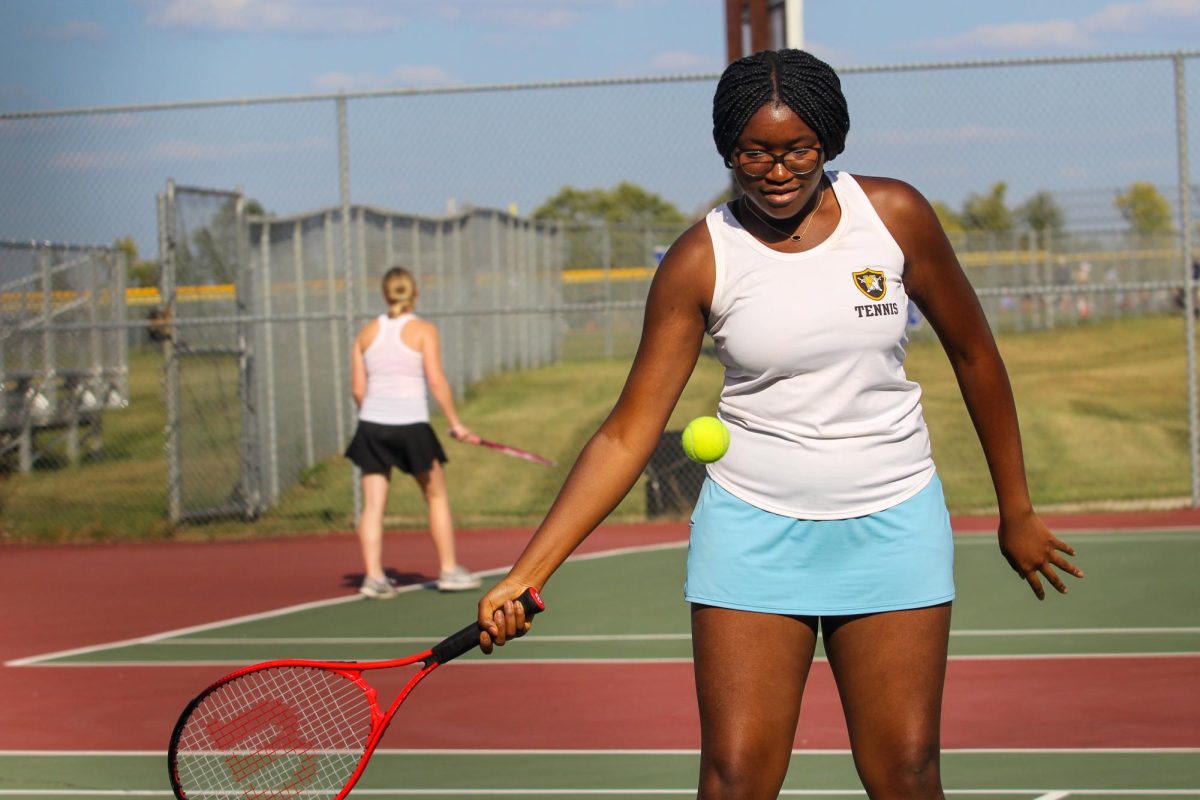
(826, 514)
(396, 360)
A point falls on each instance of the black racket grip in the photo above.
(467, 639)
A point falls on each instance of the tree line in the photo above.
(618, 226)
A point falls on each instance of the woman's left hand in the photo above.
(463, 433)
(1031, 549)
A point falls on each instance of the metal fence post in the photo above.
(166, 254)
(495, 261)
(455, 227)
(343, 139)
(47, 387)
(267, 306)
(306, 387)
(1189, 277)
(120, 381)
(512, 293)
(335, 344)
(96, 336)
(245, 345)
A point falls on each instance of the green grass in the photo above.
(1103, 410)
(550, 411)
(119, 494)
(1147, 775)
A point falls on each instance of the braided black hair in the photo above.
(796, 78)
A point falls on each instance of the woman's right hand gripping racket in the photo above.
(295, 728)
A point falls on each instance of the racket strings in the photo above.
(279, 732)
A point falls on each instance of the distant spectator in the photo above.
(1178, 297)
(158, 324)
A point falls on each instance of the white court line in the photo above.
(651, 637)
(1073, 631)
(533, 662)
(33, 660)
(1036, 793)
(618, 637)
(969, 538)
(528, 662)
(85, 793)
(165, 636)
(279, 612)
(1040, 794)
(625, 752)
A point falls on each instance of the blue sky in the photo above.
(93, 178)
(82, 53)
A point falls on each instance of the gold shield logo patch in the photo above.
(871, 282)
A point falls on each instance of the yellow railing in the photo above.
(150, 296)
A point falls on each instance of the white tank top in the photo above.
(823, 422)
(396, 393)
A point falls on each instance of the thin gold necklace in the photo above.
(795, 237)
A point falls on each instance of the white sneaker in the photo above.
(376, 589)
(457, 580)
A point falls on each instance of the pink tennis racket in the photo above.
(292, 728)
(509, 450)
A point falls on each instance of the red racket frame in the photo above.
(453, 646)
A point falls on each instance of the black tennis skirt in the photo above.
(409, 448)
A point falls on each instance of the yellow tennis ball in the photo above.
(705, 439)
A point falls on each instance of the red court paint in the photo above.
(105, 593)
(1001, 703)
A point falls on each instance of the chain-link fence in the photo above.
(63, 351)
(1064, 184)
(262, 311)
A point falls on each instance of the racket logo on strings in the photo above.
(290, 728)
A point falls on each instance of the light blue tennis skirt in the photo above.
(745, 558)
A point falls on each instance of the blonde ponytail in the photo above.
(399, 291)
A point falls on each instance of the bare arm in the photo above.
(435, 379)
(615, 456)
(358, 367)
(935, 281)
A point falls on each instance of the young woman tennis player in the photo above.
(395, 358)
(826, 514)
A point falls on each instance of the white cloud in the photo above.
(273, 16)
(73, 30)
(1141, 16)
(415, 75)
(364, 16)
(525, 18)
(524, 14)
(1106, 26)
(1054, 34)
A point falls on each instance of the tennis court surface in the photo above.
(1096, 694)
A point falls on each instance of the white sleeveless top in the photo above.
(823, 422)
(396, 393)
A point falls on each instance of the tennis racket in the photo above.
(509, 450)
(286, 729)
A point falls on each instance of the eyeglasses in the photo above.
(757, 163)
